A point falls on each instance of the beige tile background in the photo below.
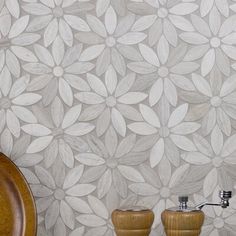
(114, 103)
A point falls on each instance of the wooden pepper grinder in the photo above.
(185, 221)
(132, 222)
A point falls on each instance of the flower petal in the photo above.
(27, 99)
(210, 182)
(208, 62)
(149, 115)
(132, 97)
(110, 20)
(51, 215)
(91, 52)
(131, 173)
(90, 220)
(81, 190)
(50, 32)
(131, 38)
(67, 215)
(104, 184)
(13, 123)
(183, 8)
(202, 85)
(71, 116)
(142, 128)
(24, 54)
(13, 7)
(178, 175)
(178, 115)
(39, 144)
(77, 23)
(78, 205)
(73, 176)
(79, 129)
(90, 159)
(66, 153)
(65, 92)
(65, 33)
(97, 85)
(183, 142)
(118, 122)
(156, 92)
(19, 26)
(157, 153)
(149, 55)
(36, 130)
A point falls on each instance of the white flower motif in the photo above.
(12, 6)
(219, 221)
(111, 38)
(23, 160)
(111, 101)
(217, 154)
(106, 104)
(169, 181)
(60, 201)
(118, 5)
(164, 17)
(57, 72)
(171, 130)
(99, 220)
(217, 104)
(53, 135)
(13, 42)
(13, 102)
(221, 5)
(213, 42)
(171, 70)
(57, 17)
(112, 163)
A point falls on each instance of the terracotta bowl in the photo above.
(17, 208)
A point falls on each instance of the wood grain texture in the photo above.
(132, 223)
(182, 223)
(17, 208)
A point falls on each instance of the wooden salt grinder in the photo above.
(185, 221)
(132, 222)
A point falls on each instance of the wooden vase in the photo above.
(132, 223)
(177, 223)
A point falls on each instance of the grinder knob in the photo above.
(183, 202)
(225, 196)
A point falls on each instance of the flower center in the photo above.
(111, 101)
(218, 223)
(112, 163)
(163, 71)
(215, 42)
(59, 194)
(58, 71)
(217, 161)
(4, 43)
(216, 101)
(162, 12)
(164, 132)
(57, 132)
(5, 103)
(58, 12)
(165, 192)
(110, 41)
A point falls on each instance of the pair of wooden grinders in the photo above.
(138, 223)
(179, 221)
